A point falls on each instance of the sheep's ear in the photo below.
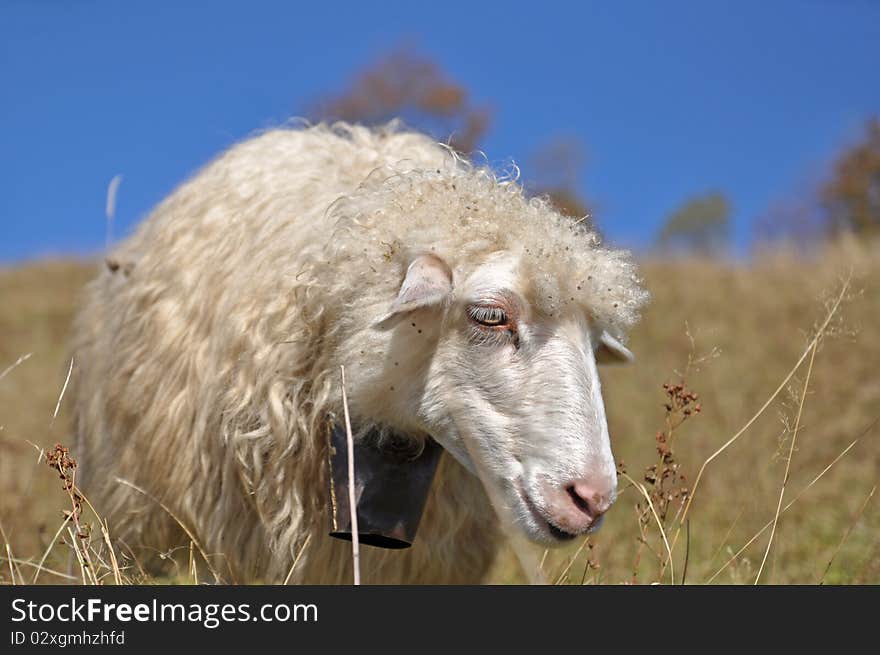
(428, 282)
(611, 351)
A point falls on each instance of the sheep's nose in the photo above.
(577, 506)
(590, 498)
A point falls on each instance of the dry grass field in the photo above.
(730, 332)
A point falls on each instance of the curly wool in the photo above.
(206, 370)
(463, 214)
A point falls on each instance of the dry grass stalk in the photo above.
(571, 561)
(819, 333)
(23, 562)
(18, 362)
(59, 459)
(727, 534)
(110, 208)
(852, 525)
(105, 533)
(543, 561)
(10, 559)
(302, 549)
(193, 569)
(797, 425)
(665, 487)
(63, 390)
(79, 558)
(50, 547)
(647, 497)
(784, 509)
(217, 578)
(352, 496)
(55, 458)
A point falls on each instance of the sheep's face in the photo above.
(511, 392)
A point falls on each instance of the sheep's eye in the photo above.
(487, 315)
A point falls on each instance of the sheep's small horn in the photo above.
(392, 486)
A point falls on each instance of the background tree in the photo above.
(408, 85)
(851, 198)
(847, 201)
(701, 225)
(404, 84)
(796, 220)
(556, 167)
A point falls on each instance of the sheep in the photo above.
(209, 360)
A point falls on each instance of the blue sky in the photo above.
(670, 98)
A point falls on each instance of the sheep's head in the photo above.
(508, 388)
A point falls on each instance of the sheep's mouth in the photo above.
(557, 533)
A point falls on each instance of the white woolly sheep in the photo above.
(208, 360)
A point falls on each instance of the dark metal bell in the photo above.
(392, 480)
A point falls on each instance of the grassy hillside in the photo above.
(731, 332)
